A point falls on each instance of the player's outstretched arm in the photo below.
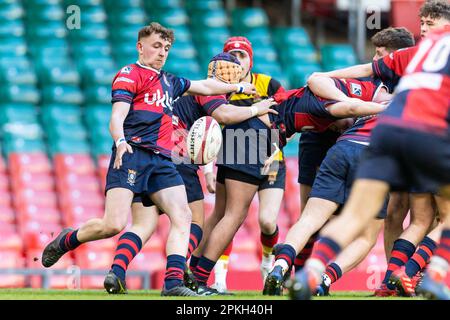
(355, 108)
(211, 87)
(324, 87)
(230, 114)
(119, 113)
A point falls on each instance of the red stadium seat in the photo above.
(74, 163)
(74, 216)
(85, 182)
(97, 260)
(34, 213)
(155, 244)
(7, 215)
(66, 263)
(11, 259)
(5, 199)
(33, 197)
(8, 227)
(37, 234)
(81, 197)
(40, 181)
(244, 242)
(10, 240)
(4, 182)
(29, 162)
(2, 165)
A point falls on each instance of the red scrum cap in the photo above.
(239, 44)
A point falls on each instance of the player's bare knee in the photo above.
(267, 224)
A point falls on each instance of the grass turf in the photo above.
(41, 294)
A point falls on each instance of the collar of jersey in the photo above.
(145, 67)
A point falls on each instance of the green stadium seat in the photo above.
(291, 148)
(93, 48)
(19, 93)
(83, 3)
(98, 94)
(20, 145)
(249, 18)
(96, 76)
(11, 28)
(62, 94)
(21, 130)
(183, 50)
(162, 4)
(21, 62)
(211, 35)
(169, 18)
(43, 13)
(119, 5)
(298, 74)
(338, 54)
(203, 5)
(101, 146)
(89, 32)
(15, 74)
(290, 55)
(97, 114)
(257, 35)
(68, 146)
(18, 112)
(183, 67)
(265, 54)
(182, 33)
(59, 74)
(127, 17)
(11, 11)
(209, 19)
(13, 47)
(61, 113)
(296, 36)
(49, 30)
(63, 130)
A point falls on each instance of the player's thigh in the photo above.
(443, 205)
(239, 196)
(422, 208)
(318, 211)
(117, 205)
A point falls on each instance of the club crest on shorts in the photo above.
(131, 177)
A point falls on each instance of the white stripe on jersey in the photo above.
(420, 80)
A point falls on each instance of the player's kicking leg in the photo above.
(144, 223)
(118, 202)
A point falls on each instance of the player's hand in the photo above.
(210, 179)
(248, 88)
(263, 107)
(121, 149)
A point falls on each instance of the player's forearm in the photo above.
(228, 114)
(325, 87)
(358, 71)
(355, 109)
(118, 115)
(210, 87)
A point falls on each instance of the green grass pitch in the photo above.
(41, 294)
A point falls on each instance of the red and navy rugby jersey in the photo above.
(423, 94)
(392, 67)
(150, 94)
(301, 110)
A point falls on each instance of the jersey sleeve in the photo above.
(180, 85)
(210, 103)
(274, 87)
(124, 86)
(390, 68)
(362, 88)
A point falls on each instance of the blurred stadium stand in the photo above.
(55, 110)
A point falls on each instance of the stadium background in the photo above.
(55, 108)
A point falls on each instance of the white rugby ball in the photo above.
(204, 140)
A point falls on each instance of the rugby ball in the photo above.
(204, 140)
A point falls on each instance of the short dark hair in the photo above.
(155, 27)
(393, 38)
(435, 9)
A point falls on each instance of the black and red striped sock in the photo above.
(70, 241)
(194, 239)
(287, 253)
(128, 247)
(333, 272)
(421, 257)
(304, 255)
(203, 270)
(174, 271)
(401, 252)
(443, 249)
(268, 241)
(325, 250)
